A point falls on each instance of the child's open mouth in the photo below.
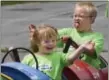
(77, 23)
(49, 48)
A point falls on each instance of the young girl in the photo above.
(50, 61)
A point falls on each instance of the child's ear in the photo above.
(92, 20)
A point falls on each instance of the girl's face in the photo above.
(47, 45)
(46, 38)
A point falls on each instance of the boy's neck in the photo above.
(87, 30)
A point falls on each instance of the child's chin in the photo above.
(78, 29)
(49, 51)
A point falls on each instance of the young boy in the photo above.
(50, 61)
(84, 16)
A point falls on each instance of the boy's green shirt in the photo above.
(80, 38)
(51, 64)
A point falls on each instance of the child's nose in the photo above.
(76, 18)
(51, 43)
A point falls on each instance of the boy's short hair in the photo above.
(90, 7)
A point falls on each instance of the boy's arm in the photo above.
(99, 43)
(69, 59)
(77, 52)
(95, 49)
(75, 55)
(63, 32)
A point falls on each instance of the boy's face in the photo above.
(47, 45)
(82, 19)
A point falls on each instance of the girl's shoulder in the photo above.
(28, 56)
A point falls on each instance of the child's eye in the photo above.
(53, 40)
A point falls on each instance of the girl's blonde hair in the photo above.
(90, 7)
(43, 31)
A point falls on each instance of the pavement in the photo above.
(15, 20)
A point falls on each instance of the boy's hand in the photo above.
(65, 39)
(32, 29)
(89, 47)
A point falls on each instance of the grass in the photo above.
(4, 3)
(5, 49)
